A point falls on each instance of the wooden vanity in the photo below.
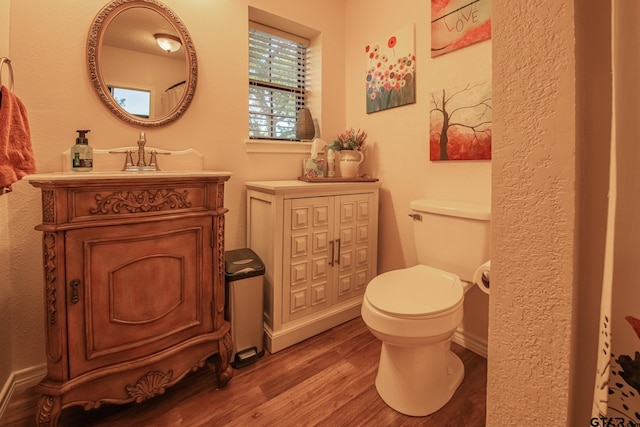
(134, 285)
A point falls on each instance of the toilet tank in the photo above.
(451, 236)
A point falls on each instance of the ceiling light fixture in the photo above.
(168, 42)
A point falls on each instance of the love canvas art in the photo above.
(458, 23)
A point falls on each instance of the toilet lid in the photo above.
(415, 291)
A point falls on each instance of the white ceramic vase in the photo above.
(349, 162)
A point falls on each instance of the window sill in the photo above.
(270, 146)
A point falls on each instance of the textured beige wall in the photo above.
(216, 121)
(399, 146)
(533, 166)
(399, 136)
(54, 85)
(5, 291)
(533, 210)
(5, 283)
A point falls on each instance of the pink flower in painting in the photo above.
(635, 324)
(389, 79)
(366, 49)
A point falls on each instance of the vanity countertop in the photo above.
(119, 175)
(293, 187)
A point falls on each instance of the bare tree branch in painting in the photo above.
(447, 107)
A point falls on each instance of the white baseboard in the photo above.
(295, 332)
(471, 342)
(20, 380)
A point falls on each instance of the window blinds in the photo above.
(277, 79)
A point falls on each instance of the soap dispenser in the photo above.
(82, 153)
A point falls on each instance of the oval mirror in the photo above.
(142, 62)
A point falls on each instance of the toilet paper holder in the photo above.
(485, 278)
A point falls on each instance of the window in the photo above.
(134, 101)
(277, 80)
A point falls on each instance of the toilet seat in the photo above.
(416, 292)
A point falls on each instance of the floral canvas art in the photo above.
(458, 23)
(460, 123)
(390, 76)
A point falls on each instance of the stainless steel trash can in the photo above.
(244, 272)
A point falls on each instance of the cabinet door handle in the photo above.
(337, 261)
(331, 259)
(74, 290)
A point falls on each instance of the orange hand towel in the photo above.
(16, 153)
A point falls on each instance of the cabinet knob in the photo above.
(74, 290)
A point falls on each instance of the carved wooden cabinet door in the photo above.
(137, 289)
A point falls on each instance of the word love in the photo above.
(460, 19)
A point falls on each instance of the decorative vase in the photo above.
(349, 162)
(305, 129)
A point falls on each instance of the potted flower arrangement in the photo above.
(349, 140)
(349, 144)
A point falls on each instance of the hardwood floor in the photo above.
(327, 380)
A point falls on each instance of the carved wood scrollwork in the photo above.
(220, 233)
(220, 200)
(48, 206)
(140, 201)
(46, 406)
(224, 371)
(226, 349)
(152, 384)
(49, 250)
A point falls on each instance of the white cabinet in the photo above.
(319, 243)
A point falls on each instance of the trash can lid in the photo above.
(242, 264)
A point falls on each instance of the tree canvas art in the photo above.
(460, 123)
(458, 23)
(390, 77)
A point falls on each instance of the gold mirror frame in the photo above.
(94, 44)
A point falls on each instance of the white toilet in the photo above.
(415, 311)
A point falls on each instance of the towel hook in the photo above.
(6, 60)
